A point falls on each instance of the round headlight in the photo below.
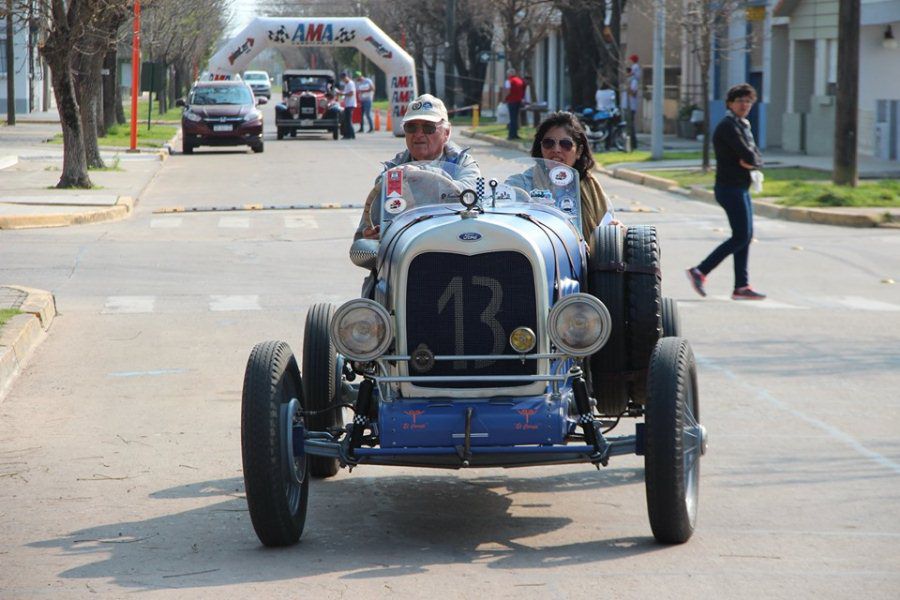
(192, 116)
(522, 339)
(579, 324)
(361, 330)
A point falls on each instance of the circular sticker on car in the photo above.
(395, 205)
(567, 204)
(561, 176)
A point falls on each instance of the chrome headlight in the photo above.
(579, 324)
(192, 116)
(362, 330)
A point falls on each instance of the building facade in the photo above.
(30, 75)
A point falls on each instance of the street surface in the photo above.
(120, 459)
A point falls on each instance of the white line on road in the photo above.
(858, 302)
(234, 222)
(128, 304)
(166, 223)
(831, 430)
(227, 303)
(300, 223)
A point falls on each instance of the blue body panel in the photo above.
(496, 422)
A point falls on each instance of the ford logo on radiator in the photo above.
(470, 236)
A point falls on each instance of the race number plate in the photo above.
(225, 127)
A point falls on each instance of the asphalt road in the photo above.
(120, 467)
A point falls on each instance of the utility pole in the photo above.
(10, 67)
(846, 125)
(659, 80)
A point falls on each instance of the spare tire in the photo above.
(606, 281)
(643, 289)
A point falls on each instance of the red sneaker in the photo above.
(747, 293)
(698, 280)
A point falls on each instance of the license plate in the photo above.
(306, 122)
(308, 110)
(225, 127)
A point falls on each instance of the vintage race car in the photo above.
(304, 106)
(489, 334)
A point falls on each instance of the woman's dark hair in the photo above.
(585, 163)
(740, 90)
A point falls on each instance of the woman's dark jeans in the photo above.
(739, 208)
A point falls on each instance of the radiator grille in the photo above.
(459, 304)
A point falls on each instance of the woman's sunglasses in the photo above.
(427, 128)
(549, 144)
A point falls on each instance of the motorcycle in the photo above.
(605, 129)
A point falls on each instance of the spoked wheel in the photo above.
(320, 382)
(276, 476)
(620, 138)
(674, 440)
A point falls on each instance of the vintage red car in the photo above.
(305, 106)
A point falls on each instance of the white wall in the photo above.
(879, 79)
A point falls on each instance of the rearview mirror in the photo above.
(261, 100)
(180, 102)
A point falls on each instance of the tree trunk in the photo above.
(581, 34)
(75, 171)
(120, 109)
(847, 105)
(87, 88)
(110, 89)
(707, 129)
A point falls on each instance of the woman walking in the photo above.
(736, 158)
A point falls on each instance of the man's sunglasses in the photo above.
(427, 128)
(549, 144)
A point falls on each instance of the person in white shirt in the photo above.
(348, 91)
(365, 87)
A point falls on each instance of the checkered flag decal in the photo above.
(479, 187)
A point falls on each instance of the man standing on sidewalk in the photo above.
(366, 89)
(513, 94)
(348, 91)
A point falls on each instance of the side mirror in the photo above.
(180, 102)
(364, 252)
(261, 100)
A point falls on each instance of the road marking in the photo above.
(167, 223)
(128, 304)
(858, 302)
(302, 222)
(155, 373)
(228, 303)
(831, 430)
(234, 222)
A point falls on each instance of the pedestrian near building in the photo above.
(513, 95)
(365, 87)
(737, 157)
(633, 97)
(348, 92)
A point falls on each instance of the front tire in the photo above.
(275, 480)
(279, 133)
(187, 147)
(620, 138)
(673, 442)
(258, 147)
(643, 290)
(319, 382)
(335, 133)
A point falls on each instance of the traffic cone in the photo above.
(388, 125)
(377, 120)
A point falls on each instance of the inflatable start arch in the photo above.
(361, 33)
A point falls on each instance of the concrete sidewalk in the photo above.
(29, 171)
(22, 334)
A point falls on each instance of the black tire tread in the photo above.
(671, 321)
(672, 369)
(269, 363)
(611, 393)
(644, 293)
(319, 385)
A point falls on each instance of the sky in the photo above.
(244, 11)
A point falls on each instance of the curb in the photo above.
(123, 207)
(24, 332)
(8, 161)
(800, 214)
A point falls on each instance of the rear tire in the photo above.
(673, 442)
(275, 480)
(644, 295)
(671, 321)
(319, 381)
(607, 364)
(620, 138)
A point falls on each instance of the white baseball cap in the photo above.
(426, 108)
